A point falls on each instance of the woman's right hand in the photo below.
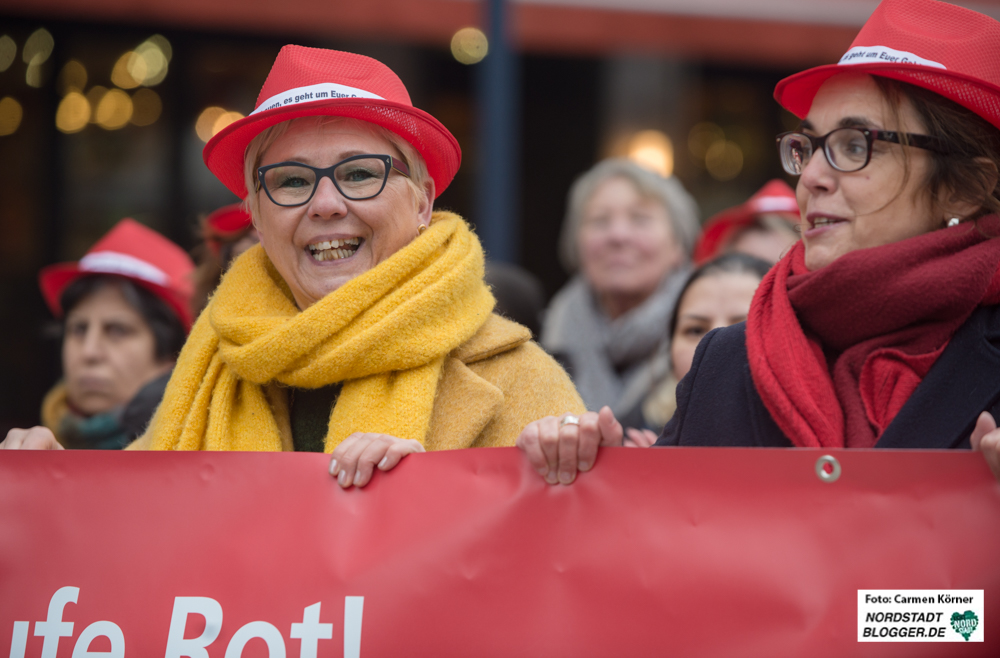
(36, 438)
(559, 450)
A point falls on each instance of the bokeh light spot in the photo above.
(38, 47)
(114, 110)
(469, 45)
(702, 136)
(10, 115)
(121, 74)
(653, 150)
(73, 113)
(724, 160)
(73, 77)
(146, 107)
(94, 97)
(8, 52)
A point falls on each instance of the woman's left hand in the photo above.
(355, 459)
(986, 439)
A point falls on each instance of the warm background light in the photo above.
(37, 50)
(10, 115)
(73, 77)
(114, 110)
(94, 97)
(469, 45)
(121, 73)
(653, 150)
(724, 160)
(73, 113)
(213, 119)
(146, 107)
(8, 52)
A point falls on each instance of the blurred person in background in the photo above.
(225, 234)
(881, 327)
(717, 294)
(360, 325)
(628, 235)
(765, 226)
(519, 294)
(125, 315)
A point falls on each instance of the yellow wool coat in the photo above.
(491, 386)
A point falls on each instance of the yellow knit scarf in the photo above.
(384, 334)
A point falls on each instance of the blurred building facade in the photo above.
(106, 104)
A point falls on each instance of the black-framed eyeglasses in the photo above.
(846, 149)
(358, 177)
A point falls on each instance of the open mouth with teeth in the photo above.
(335, 249)
(825, 221)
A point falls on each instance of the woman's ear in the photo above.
(971, 201)
(425, 202)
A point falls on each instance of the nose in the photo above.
(818, 177)
(92, 347)
(327, 202)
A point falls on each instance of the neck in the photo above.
(617, 305)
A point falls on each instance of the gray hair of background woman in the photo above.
(681, 206)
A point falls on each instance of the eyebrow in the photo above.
(846, 122)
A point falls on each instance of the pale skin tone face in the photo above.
(842, 212)
(713, 301)
(108, 353)
(379, 226)
(626, 245)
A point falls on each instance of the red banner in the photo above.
(687, 552)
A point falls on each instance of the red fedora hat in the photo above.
(225, 224)
(947, 49)
(776, 197)
(316, 82)
(135, 252)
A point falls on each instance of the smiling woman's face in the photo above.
(841, 211)
(300, 241)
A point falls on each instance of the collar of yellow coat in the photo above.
(385, 335)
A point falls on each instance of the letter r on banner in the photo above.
(177, 645)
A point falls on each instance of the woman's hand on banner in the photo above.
(560, 446)
(35, 438)
(986, 439)
(354, 461)
(636, 438)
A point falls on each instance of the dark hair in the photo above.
(731, 263)
(168, 330)
(968, 138)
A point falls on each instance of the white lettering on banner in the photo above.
(310, 631)
(98, 629)
(317, 92)
(353, 608)
(177, 645)
(54, 627)
(261, 629)
(883, 54)
(19, 639)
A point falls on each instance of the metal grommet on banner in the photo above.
(828, 468)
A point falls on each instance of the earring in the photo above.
(954, 221)
(421, 228)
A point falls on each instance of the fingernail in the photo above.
(342, 478)
(565, 478)
(551, 477)
(584, 466)
(385, 460)
(357, 478)
(333, 467)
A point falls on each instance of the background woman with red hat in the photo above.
(361, 324)
(881, 328)
(765, 226)
(124, 308)
(225, 234)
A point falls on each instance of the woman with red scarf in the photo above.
(881, 327)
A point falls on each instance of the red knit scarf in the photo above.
(835, 353)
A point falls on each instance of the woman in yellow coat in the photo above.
(361, 325)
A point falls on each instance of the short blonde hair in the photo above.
(681, 207)
(417, 181)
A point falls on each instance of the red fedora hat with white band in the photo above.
(135, 252)
(307, 82)
(949, 50)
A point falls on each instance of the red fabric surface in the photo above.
(835, 353)
(678, 552)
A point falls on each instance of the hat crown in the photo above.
(961, 40)
(299, 66)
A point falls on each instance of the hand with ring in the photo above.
(558, 447)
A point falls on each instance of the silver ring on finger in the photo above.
(568, 419)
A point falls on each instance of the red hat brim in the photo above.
(54, 279)
(796, 92)
(224, 153)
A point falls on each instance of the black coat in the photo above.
(718, 404)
